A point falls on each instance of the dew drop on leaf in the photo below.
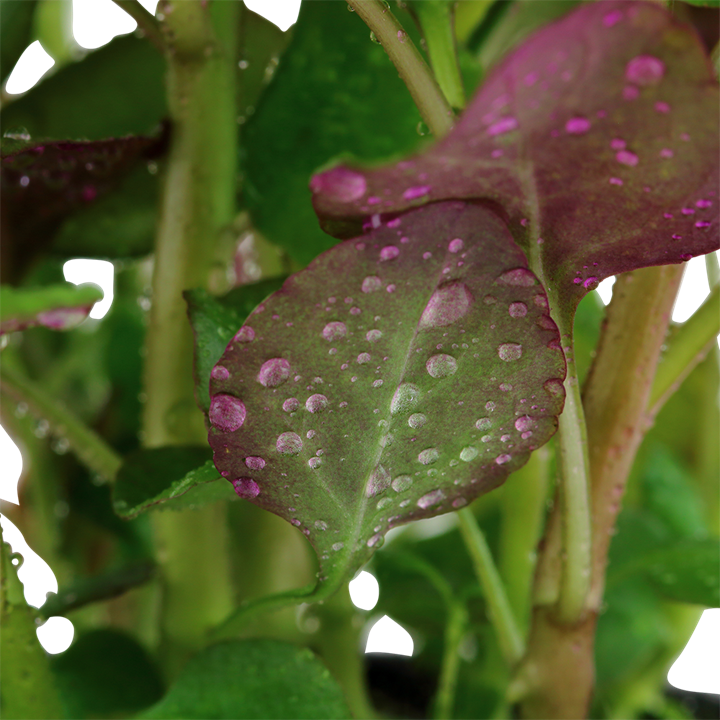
(429, 456)
(502, 459)
(510, 351)
(390, 252)
(405, 398)
(245, 334)
(456, 245)
(432, 498)
(254, 462)
(417, 420)
(517, 309)
(289, 443)
(371, 283)
(373, 335)
(334, 330)
(378, 482)
(227, 412)
(274, 372)
(483, 423)
(316, 403)
(519, 277)
(468, 453)
(246, 488)
(220, 373)
(447, 305)
(291, 405)
(645, 70)
(577, 126)
(439, 366)
(402, 483)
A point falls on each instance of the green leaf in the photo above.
(106, 673)
(114, 91)
(16, 24)
(164, 475)
(704, 3)
(250, 679)
(59, 307)
(310, 114)
(215, 322)
(400, 376)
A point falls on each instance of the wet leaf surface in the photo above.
(597, 137)
(400, 376)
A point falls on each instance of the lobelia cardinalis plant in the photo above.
(441, 347)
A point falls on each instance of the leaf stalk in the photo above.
(145, 20)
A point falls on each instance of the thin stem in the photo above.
(501, 616)
(413, 70)
(89, 447)
(455, 628)
(146, 22)
(712, 264)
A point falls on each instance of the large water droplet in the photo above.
(469, 453)
(510, 351)
(289, 443)
(555, 387)
(519, 277)
(405, 398)
(417, 420)
(645, 70)
(246, 488)
(439, 366)
(314, 463)
(340, 184)
(456, 245)
(316, 403)
(334, 330)
(227, 413)
(390, 252)
(220, 373)
(524, 423)
(274, 372)
(244, 334)
(429, 456)
(447, 304)
(373, 335)
(371, 283)
(517, 309)
(483, 423)
(291, 405)
(402, 483)
(363, 358)
(255, 462)
(378, 481)
(432, 498)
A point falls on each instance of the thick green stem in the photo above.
(89, 447)
(197, 204)
(501, 616)
(146, 22)
(455, 629)
(28, 687)
(413, 70)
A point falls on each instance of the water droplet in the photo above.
(439, 366)
(577, 126)
(378, 482)
(291, 405)
(432, 498)
(316, 403)
(405, 398)
(220, 373)
(519, 277)
(645, 70)
(254, 462)
(314, 463)
(274, 372)
(469, 453)
(246, 488)
(417, 420)
(502, 459)
(615, 181)
(612, 18)
(422, 128)
(389, 252)
(456, 245)
(340, 184)
(334, 330)
(402, 483)
(510, 351)
(703, 204)
(376, 539)
(413, 193)
(338, 546)
(448, 303)
(517, 309)
(524, 423)
(483, 423)
(429, 456)
(227, 413)
(555, 387)
(590, 283)
(371, 283)
(502, 126)
(377, 383)
(373, 335)
(373, 37)
(486, 438)
(627, 158)
(618, 144)
(289, 443)
(244, 334)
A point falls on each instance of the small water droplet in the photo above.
(519, 277)
(428, 456)
(377, 383)
(389, 252)
(625, 157)
(577, 126)
(375, 540)
(456, 245)
(469, 453)
(517, 309)
(274, 372)
(227, 413)
(448, 304)
(645, 70)
(402, 483)
(291, 405)
(432, 498)
(340, 184)
(510, 351)
(373, 335)
(417, 420)
(338, 546)
(254, 462)
(555, 387)
(615, 181)
(246, 488)
(483, 423)
(502, 459)
(316, 403)
(524, 423)
(439, 366)
(220, 373)
(244, 334)
(505, 125)
(413, 193)
(334, 330)
(289, 443)
(490, 405)
(405, 398)
(378, 482)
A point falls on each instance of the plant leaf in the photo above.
(310, 113)
(59, 307)
(621, 85)
(420, 355)
(16, 24)
(160, 475)
(249, 679)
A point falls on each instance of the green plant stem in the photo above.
(436, 21)
(501, 616)
(413, 70)
(197, 204)
(28, 687)
(89, 447)
(146, 22)
(687, 345)
(455, 629)
(712, 264)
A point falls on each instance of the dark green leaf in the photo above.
(16, 22)
(157, 476)
(312, 112)
(215, 322)
(251, 679)
(421, 354)
(106, 673)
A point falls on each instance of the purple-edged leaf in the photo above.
(597, 137)
(401, 375)
(58, 307)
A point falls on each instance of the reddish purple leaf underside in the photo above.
(598, 138)
(401, 375)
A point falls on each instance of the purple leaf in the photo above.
(401, 375)
(597, 137)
